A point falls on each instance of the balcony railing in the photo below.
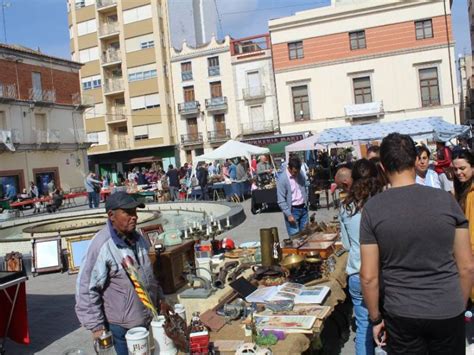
(217, 136)
(113, 85)
(117, 113)
(193, 138)
(216, 103)
(48, 136)
(42, 95)
(111, 56)
(254, 127)
(108, 29)
(119, 143)
(186, 75)
(82, 100)
(214, 71)
(105, 3)
(189, 107)
(253, 93)
(8, 91)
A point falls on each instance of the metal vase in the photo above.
(266, 245)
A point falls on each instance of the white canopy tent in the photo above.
(232, 149)
(311, 143)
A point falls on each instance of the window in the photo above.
(142, 72)
(149, 131)
(139, 43)
(188, 93)
(140, 132)
(91, 82)
(102, 138)
(137, 14)
(86, 27)
(216, 89)
(424, 29)
(295, 50)
(71, 33)
(213, 66)
(300, 102)
(429, 87)
(144, 102)
(89, 54)
(11, 177)
(357, 40)
(80, 3)
(186, 71)
(96, 111)
(362, 90)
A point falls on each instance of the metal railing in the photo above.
(8, 91)
(42, 95)
(189, 107)
(193, 138)
(112, 55)
(48, 136)
(117, 113)
(216, 103)
(119, 143)
(112, 85)
(255, 92)
(186, 75)
(108, 29)
(257, 127)
(104, 3)
(214, 136)
(214, 71)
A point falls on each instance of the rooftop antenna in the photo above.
(4, 5)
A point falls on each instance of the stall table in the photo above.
(264, 196)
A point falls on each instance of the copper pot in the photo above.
(292, 261)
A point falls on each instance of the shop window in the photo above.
(44, 177)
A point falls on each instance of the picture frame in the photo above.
(46, 255)
(77, 248)
(151, 232)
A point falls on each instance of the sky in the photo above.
(43, 23)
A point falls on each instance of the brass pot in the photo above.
(292, 261)
(313, 257)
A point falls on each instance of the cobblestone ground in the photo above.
(54, 327)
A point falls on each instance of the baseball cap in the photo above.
(122, 200)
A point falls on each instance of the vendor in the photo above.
(105, 296)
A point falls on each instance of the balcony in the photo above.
(369, 109)
(189, 108)
(117, 114)
(109, 29)
(111, 56)
(82, 100)
(218, 136)
(186, 75)
(102, 4)
(39, 95)
(214, 71)
(113, 86)
(216, 103)
(119, 143)
(254, 93)
(257, 127)
(254, 45)
(8, 92)
(50, 136)
(191, 139)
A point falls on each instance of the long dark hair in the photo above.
(365, 185)
(461, 189)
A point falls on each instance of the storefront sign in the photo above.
(266, 141)
(368, 109)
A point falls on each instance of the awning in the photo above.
(143, 160)
(278, 148)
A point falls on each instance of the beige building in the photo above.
(203, 86)
(333, 69)
(124, 47)
(42, 136)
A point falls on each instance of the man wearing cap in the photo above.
(105, 296)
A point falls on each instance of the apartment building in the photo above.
(42, 136)
(124, 47)
(203, 86)
(254, 87)
(356, 62)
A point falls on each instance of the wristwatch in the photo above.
(377, 320)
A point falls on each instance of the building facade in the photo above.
(42, 136)
(254, 86)
(124, 46)
(332, 69)
(203, 86)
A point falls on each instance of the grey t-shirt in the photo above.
(414, 228)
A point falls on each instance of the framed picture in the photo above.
(77, 248)
(46, 255)
(152, 232)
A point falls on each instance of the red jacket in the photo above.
(443, 160)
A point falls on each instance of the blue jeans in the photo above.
(301, 220)
(93, 199)
(120, 344)
(364, 342)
